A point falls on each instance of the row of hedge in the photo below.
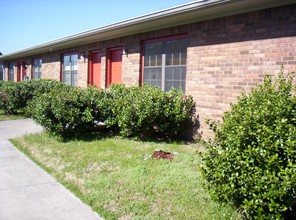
(132, 111)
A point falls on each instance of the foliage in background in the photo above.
(252, 159)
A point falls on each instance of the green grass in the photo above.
(119, 180)
(4, 117)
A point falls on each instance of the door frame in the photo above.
(109, 70)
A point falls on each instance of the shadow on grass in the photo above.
(187, 136)
(88, 136)
(104, 134)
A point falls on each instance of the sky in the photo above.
(27, 23)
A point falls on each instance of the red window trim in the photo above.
(155, 40)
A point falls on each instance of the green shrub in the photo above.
(113, 104)
(133, 111)
(96, 100)
(31, 89)
(252, 159)
(149, 112)
(37, 87)
(67, 110)
(15, 97)
(10, 97)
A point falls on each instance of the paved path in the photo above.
(26, 191)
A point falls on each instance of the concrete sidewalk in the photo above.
(27, 191)
(17, 128)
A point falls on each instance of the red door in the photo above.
(19, 77)
(95, 68)
(115, 66)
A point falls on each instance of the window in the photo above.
(11, 72)
(37, 63)
(1, 72)
(70, 69)
(165, 64)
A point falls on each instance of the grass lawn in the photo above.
(4, 117)
(118, 180)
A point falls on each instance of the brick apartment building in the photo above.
(211, 49)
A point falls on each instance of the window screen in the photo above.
(70, 69)
(165, 64)
(11, 72)
(37, 63)
(1, 72)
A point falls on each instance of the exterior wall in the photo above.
(224, 56)
(51, 66)
(230, 54)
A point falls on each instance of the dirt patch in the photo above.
(159, 154)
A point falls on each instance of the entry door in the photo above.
(95, 68)
(18, 76)
(115, 66)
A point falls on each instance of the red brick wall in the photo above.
(230, 54)
(50, 65)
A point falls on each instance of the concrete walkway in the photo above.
(26, 191)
